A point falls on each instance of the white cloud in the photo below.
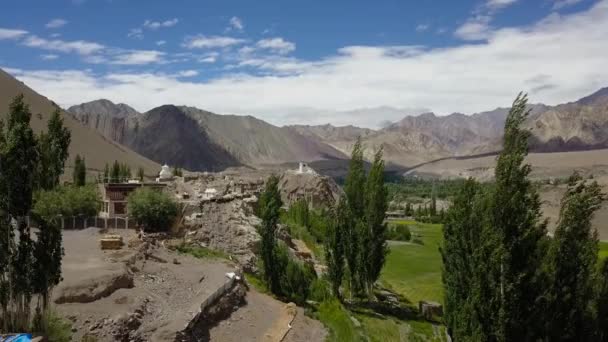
(55, 35)
(154, 25)
(278, 45)
(56, 23)
(188, 73)
(559, 4)
(161, 42)
(422, 27)
(476, 28)
(208, 58)
(203, 42)
(138, 57)
(136, 33)
(498, 4)
(466, 78)
(79, 46)
(11, 33)
(236, 23)
(49, 57)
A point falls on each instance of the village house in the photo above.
(114, 197)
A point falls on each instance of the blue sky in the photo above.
(340, 62)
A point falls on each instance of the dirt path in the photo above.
(266, 319)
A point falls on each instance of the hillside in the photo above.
(414, 140)
(199, 140)
(88, 143)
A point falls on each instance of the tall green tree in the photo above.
(376, 204)
(463, 264)
(53, 148)
(115, 175)
(48, 254)
(334, 251)
(106, 173)
(270, 206)
(520, 233)
(354, 189)
(573, 264)
(140, 174)
(19, 164)
(80, 171)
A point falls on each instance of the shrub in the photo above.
(295, 278)
(399, 232)
(153, 209)
(320, 290)
(67, 201)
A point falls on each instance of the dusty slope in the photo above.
(86, 142)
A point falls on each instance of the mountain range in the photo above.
(199, 140)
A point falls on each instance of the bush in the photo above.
(320, 290)
(155, 210)
(295, 278)
(399, 232)
(67, 201)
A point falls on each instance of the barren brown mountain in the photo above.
(415, 140)
(200, 140)
(87, 142)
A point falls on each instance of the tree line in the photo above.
(28, 268)
(505, 279)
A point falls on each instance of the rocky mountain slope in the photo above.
(419, 139)
(86, 142)
(199, 140)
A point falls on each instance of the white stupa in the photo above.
(165, 173)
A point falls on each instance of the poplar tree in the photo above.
(520, 233)
(354, 188)
(19, 164)
(106, 173)
(270, 206)
(573, 263)
(376, 205)
(53, 148)
(334, 252)
(462, 263)
(140, 174)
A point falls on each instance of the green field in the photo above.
(603, 249)
(414, 270)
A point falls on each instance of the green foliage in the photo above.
(106, 173)
(119, 172)
(295, 277)
(462, 263)
(48, 253)
(572, 263)
(155, 210)
(399, 232)
(409, 188)
(177, 171)
(80, 171)
(320, 290)
(336, 244)
(140, 174)
(53, 327)
(53, 149)
(269, 206)
(376, 206)
(337, 319)
(67, 201)
(201, 252)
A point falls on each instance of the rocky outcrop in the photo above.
(319, 191)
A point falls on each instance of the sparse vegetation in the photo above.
(201, 252)
(399, 232)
